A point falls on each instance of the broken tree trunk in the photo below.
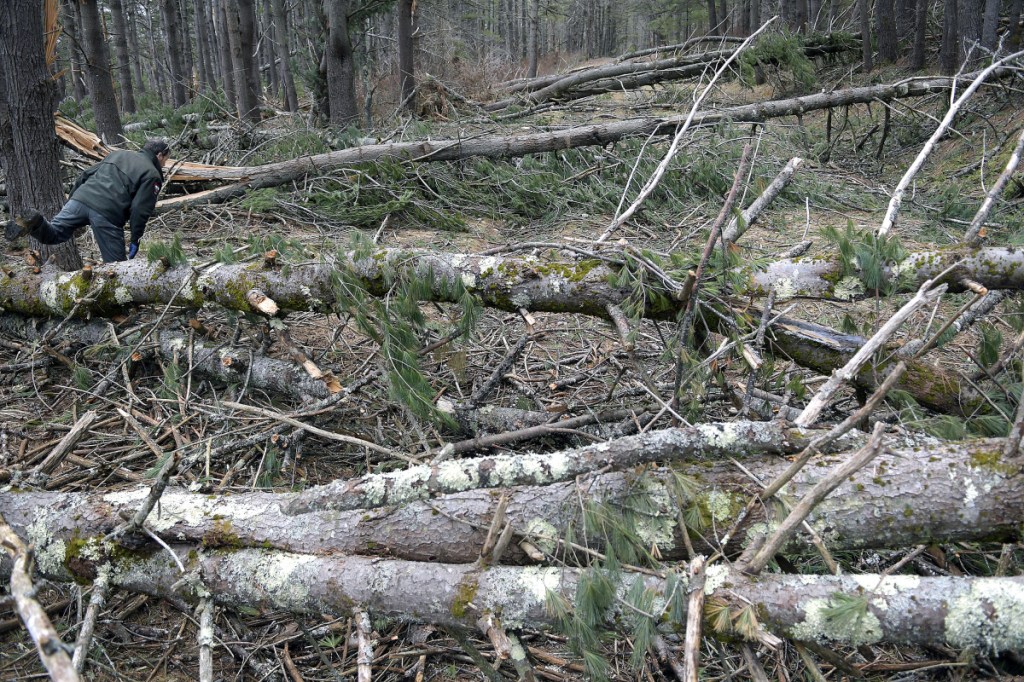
(982, 613)
(928, 493)
(246, 178)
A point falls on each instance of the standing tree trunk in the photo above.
(712, 18)
(968, 25)
(139, 85)
(291, 99)
(121, 48)
(72, 19)
(204, 51)
(97, 68)
(920, 33)
(185, 42)
(240, 18)
(341, 82)
(885, 26)
(172, 29)
(533, 48)
(949, 53)
(227, 71)
(865, 34)
(990, 26)
(1013, 42)
(406, 64)
(29, 153)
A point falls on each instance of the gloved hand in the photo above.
(133, 250)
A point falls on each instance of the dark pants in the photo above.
(75, 214)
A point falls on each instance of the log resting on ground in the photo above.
(929, 493)
(506, 283)
(219, 361)
(246, 178)
(986, 614)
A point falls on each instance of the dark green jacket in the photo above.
(122, 187)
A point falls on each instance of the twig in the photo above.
(694, 620)
(975, 235)
(65, 445)
(924, 296)
(897, 196)
(815, 495)
(364, 657)
(330, 435)
(481, 393)
(159, 485)
(737, 226)
(659, 172)
(52, 651)
(205, 640)
(96, 602)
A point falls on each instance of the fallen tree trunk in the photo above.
(271, 175)
(218, 361)
(507, 283)
(982, 613)
(932, 493)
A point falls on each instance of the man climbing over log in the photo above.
(122, 188)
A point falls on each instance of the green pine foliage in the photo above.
(396, 322)
(173, 253)
(867, 256)
(783, 54)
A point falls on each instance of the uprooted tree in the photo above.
(710, 454)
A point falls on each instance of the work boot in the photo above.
(23, 225)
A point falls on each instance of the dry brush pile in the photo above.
(312, 458)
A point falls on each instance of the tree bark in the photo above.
(990, 25)
(123, 63)
(133, 42)
(406, 55)
(931, 493)
(29, 153)
(968, 23)
(949, 53)
(172, 29)
(341, 80)
(533, 39)
(241, 25)
(283, 43)
(920, 33)
(885, 27)
(71, 19)
(865, 34)
(227, 72)
(97, 69)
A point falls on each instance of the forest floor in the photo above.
(571, 365)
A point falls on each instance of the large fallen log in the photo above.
(220, 361)
(507, 283)
(245, 178)
(986, 614)
(929, 493)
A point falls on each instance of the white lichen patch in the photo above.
(487, 264)
(719, 436)
(122, 295)
(468, 280)
(720, 505)
(273, 577)
(887, 586)
(848, 288)
(518, 594)
(785, 288)
(49, 551)
(455, 476)
(408, 483)
(48, 294)
(657, 529)
(970, 492)
(374, 488)
(818, 626)
(715, 576)
(542, 534)
(126, 497)
(989, 617)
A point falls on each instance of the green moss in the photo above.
(991, 459)
(574, 272)
(222, 535)
(464, 595)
